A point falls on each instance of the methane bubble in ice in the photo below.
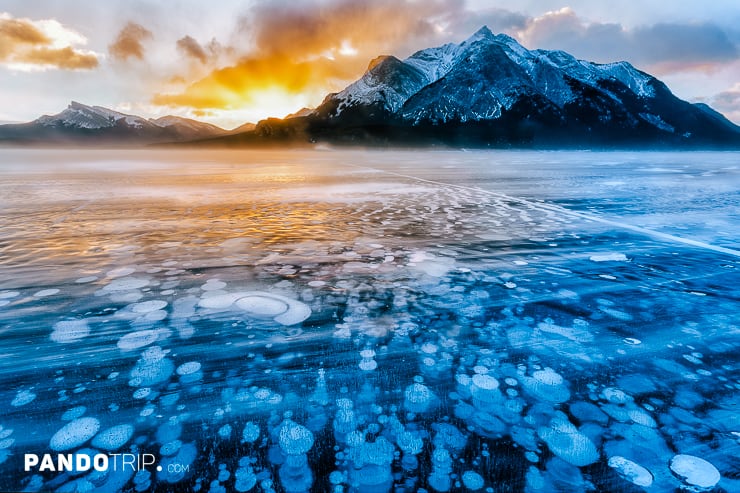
(631, 471)
(74, 413)
(188, 368)
(564, 440)
(22, 398)
(45, 292)
(126, 284)
(295, 439)
(251, 432)
(148, 306)
(418, 398)
(114, 437)
(547, 385)
(262, 306)
(283, 310)
(608, 257)
(138, 339)
(66, 331)
(152, 368)
(259, 304)
(472, 480)
(74, 434)
(695, 471)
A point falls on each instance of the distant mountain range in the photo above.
(95, 125)
(486, 91)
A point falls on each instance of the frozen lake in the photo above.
(371, 321)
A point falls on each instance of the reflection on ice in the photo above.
(399, 337)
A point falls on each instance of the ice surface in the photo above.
(395, 321)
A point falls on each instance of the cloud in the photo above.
(129, 42)
(310, 47)
(192, 48)
(205, 54)
(661, 47)
(728, 103)
(27, 44)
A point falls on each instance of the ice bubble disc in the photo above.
(153, 354)
(188, 368)
(472, 480)
(262, 306)
(295, 439)
(485, 382)
(564, 440)
(418, 397)
(136, 340)
(631, 471)
(616, 396)
(114, 437)
(22, 398)
(74, 434)
(695, 471)
(548, 377)
(410, 443)
(126, 284)
(148, 306)
(367, 353)
(67, 331)
(73, 413)
(251, 432)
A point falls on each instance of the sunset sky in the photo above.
(229, 62)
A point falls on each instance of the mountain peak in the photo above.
(380, 60)
(481, 33)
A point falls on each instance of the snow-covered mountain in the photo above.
(80, 123)
(489, 89)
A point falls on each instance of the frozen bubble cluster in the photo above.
(296, 328)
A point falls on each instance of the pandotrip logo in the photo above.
(82, 462)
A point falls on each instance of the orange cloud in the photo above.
(26, 44)
(129, 42)
(309, 48)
